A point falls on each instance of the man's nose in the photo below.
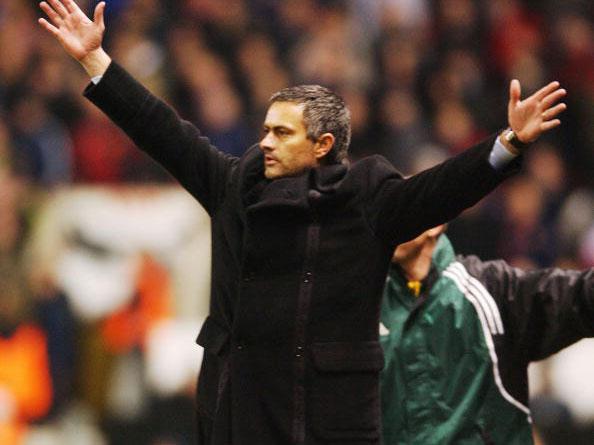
(267, 142)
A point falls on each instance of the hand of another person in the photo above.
(531, 117)
(80, 37)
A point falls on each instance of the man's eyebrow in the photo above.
(276, 127)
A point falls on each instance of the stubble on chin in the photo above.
(271, 173)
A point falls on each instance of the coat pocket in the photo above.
(214, 338)
(344, 397)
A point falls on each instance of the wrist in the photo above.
(96, 62)
(509, 139)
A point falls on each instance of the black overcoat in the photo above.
(298, 266)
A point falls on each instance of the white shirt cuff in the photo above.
(96, 79)
(500, 156)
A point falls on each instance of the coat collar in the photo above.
(312, 187)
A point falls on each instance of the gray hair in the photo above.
(323, 112)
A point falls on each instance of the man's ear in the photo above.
(323, 145)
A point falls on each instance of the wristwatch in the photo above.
(513, 140)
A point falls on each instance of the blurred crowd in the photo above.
(424, 79)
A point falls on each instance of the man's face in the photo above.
(287, 150)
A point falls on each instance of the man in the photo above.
(458, 335)
(291, 348)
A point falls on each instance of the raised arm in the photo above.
(153, 125)
(405, 208)
(80, 37)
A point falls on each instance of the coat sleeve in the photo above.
(401, 209)
(157, 129)
(543, 311)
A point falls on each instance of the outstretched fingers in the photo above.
(49, 27)
(546, 90)
(98, 15)
(53, 16)
(550, 113)
(59, 8)
(71, 6)
(515, 92)
(549, 125)
(553, 97)
(553, 112)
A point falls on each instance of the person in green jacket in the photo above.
(458, 335)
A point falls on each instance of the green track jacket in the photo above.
(457, 355)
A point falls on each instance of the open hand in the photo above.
(72, 28)
(531, 117)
